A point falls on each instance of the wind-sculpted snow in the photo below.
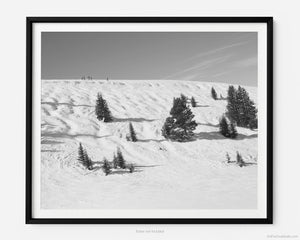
(167, 174)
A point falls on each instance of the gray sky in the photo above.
(229, 57)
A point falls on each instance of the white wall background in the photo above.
(286, 116)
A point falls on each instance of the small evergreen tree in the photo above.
(228, 158)
(214, 94)
(84, 158)
(242, 101)
(180, 125)
(115, 161)
(232, 107)
(87, 160)
(193, 102)
(239, 159)
(106, 167)
(121, 160)
(102, 111)
(132, 133)
(223, 127)
(81, 156)
(227, 129)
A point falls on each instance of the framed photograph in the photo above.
(149, 120)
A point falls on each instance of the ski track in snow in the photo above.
(168, 174)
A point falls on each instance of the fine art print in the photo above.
(149, 120)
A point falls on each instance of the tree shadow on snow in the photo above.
(52, 142)
(242, 136)
(146, 166)
(244, 164)
(96, 168)
(199, 105)
(49, 150)
(121, 172)
(71, 136)
(133, 120)
(151, 140)
(218, 136)
(249, 163)
(55, 104)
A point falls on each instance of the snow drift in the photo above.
(167, 174)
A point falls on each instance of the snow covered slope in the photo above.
(168, 174)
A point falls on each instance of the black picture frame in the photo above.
(29, 119)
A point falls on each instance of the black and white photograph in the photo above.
(159, 121)
(155, 120)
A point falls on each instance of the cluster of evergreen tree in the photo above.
(102, 111)
(84, 158)
(227, 129)
(117, 162)
(214, 94)
(239, 159)
(241, 111)
(180, 125)
(240, 108)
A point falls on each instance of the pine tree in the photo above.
(180, 125)
(223, 126)
(102, 111)
(106, 167)
(240, 108)
(239, 159)
(228, 157)
(84, 158)
(89, 163)
(248, 111)
(214, 94)
(121, 160)
(81, 155)
(232, 106)
(87, 160)
(132, 133)
(227, 129)
(115, 161)
(193, 102)
(232, 131)
(168, 126)
(241, 96)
